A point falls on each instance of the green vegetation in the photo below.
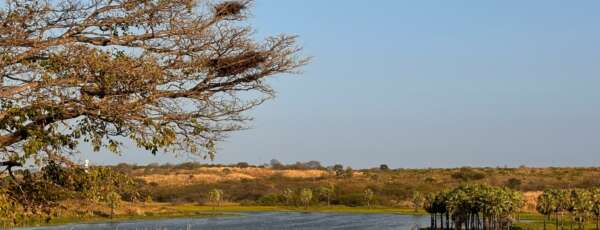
(473, 207)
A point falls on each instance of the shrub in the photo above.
(243, 165)
(271, 199)
(513, 183)
(113, 200)
(467, 174)
(351, 199)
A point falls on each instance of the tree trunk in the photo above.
(571, 223)
(468, 222)
(447, 220)
(442, 220)
(484, 220)
(544, 222)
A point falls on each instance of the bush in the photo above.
(384, 167)
(242, 165)
(351, 199)
(271, 200)
(338, 169)
(513, 183)
(468, 174)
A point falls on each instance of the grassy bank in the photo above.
(333, 208)
(97, 214)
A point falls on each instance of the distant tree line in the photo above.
(274, 164)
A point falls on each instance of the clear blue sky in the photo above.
(428, 84)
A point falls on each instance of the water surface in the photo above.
(269, 221)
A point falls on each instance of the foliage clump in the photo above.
(229, 8)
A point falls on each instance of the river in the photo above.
(268, 221)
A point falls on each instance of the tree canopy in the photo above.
(172, 75)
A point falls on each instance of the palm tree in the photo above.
(328, 192)
(306, 196)
(545, 206)
(368, 195)
(582, 205)
(113, 200)
(289, 196)
(215, 196)
(417, 200)
(595, 205)
(429, 206)
(559, 204)
(569, 205)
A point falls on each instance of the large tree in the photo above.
(173, 75)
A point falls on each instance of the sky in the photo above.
(416, 84)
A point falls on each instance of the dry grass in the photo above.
(530, 200)
(89, 208)
(220, 174)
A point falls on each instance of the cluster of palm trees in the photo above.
(473, 207)
(580, 205)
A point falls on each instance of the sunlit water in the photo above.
(270, 221)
